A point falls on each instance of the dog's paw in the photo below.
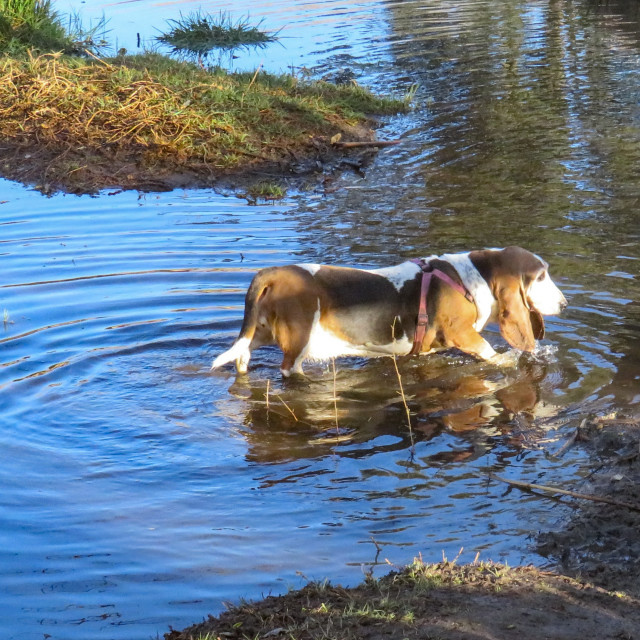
(509, 359)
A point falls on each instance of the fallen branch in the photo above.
(374, 143)
(582, 496)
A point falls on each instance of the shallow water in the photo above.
(141, 491)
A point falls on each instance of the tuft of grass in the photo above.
(265, 190)
(30, 24)
(198, 34)
(396, 606)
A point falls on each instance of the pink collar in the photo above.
(428, 272)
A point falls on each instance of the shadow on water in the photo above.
(141, 490)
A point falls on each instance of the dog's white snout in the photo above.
(546, 297)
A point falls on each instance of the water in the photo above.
(139, 490)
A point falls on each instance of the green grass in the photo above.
(265, 190)
(153, 121)
(35, 25)
(198, 34)
(30, 24)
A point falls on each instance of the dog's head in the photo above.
(520, 283)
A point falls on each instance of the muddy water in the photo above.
(139, 490)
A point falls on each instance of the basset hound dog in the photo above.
(317, 312)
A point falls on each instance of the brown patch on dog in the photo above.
(451, 319)
(359, 307)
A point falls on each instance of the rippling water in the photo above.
(139, 490)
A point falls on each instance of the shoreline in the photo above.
(147, 122)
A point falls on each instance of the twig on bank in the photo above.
(106, 64)
(613, 419)
(255, 75)
(582, 496)
(364, 143)
(570, 440)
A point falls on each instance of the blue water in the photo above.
(140, 490)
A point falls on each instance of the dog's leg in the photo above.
(471, 342)
(293, 330)
(508, 359)
(292, 365)
(294, 344)
(242, 361)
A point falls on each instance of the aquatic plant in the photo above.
(265, 190)
(198, 34)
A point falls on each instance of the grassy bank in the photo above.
(82, 124)
(428, 601)
(70, 120)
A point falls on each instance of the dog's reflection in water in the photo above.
(313, 417)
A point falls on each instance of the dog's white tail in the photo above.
(239, 352)
(241, 349)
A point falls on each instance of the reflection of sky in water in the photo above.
(307, 30)
(141, 490)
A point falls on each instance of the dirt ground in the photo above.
(595, 592)
(601, 542)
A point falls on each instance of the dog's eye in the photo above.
(542, 276)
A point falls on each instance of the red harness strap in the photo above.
(423, 318)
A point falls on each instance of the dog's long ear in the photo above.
(519, 325)
(537, 323)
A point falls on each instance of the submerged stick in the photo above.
(582, 496)
(288, 408)
(570, 440)
(335, 397)
(404, 399)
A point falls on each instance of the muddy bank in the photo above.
(313, 165)
(601, 542)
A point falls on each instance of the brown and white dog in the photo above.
(316, 312)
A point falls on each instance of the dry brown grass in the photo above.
(92, 121)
